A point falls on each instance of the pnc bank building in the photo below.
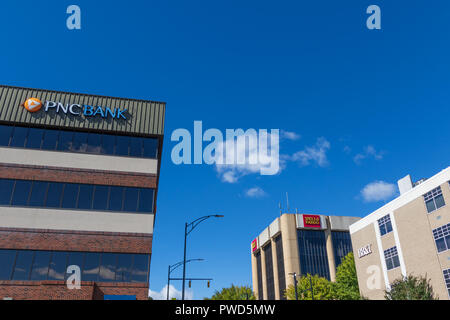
(78, 187)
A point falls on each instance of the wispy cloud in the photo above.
(369, 152)
(290, 135)
(314, 154)
(378, 191)
(173, 293)
(255, 192)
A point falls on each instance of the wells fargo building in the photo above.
(78, 180)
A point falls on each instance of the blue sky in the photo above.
(307, 67)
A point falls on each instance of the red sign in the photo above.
(311, 221)
(254, 245)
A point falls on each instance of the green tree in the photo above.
(234, 293)
(410, 288)
(320, 286)
(346, 285)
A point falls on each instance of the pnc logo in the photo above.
(33, 104)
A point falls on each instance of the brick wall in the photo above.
(57, 290)
(33, 239)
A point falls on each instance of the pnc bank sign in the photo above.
(34, 105)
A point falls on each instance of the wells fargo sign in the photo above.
(311, 221)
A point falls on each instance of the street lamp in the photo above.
(303, 291)
(295, 284)
(173, 267)
(188, 227)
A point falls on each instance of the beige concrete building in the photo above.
(301, 244)
(409, 235)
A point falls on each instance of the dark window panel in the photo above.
(38, 192)
(140, 268)
(6, 188)
(80, 142)
(430, 205)
(116, 198)
(65, 142)
(108, 144)
(21, 193)
(5, 135)
(54, 195)
(146, 200)
(136, 147)
(85, 197)
(19, 137)
(41, 265)
(23, 265)
(75, 259)
(439, 201)
(34, 140)
(108, 267)
(122, 145)
(7, 258)
(100, 197)
(150, 147)
(131, 199)
(70, 195)
(58, 266)
(94, 143)
(50, 139)
(124, 263)
(440, 244)
(91, 266)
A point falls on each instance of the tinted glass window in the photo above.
(54, 195)
(70, 195)
(80, 142)
(100, 197)
(146, 200)
(115, 199)
(57, 270)
(50, 140)
(131, 199)
(108, 267)
(439, 201)
(19, 137)
(41, 263)
(35, 137)
(6, 187)
(122, 145)
(140, 268)
(23, 265)
(76, 259)
(150, 147)
(136, 147)
(65, 141)
(94, 143)
(430, 205)
(38, 192)
(85, 197)
(21, 193)
(124, 262)
(7, 258)
(5, 135)
(91, 266)
(108, 143)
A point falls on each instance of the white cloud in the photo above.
(290, 135)
(173, 293)
(369, 152)
(378, 191)
(255, 192)
(315, 154)
(255, 162)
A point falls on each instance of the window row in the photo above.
(442, 238)
(385, 225)
(27, 193)
(391, 257)
(52, 265)
(69, 141)
(447, 280)
(434, 199)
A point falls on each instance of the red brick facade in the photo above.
(52, 174)
(59, 240)
(57, 290)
